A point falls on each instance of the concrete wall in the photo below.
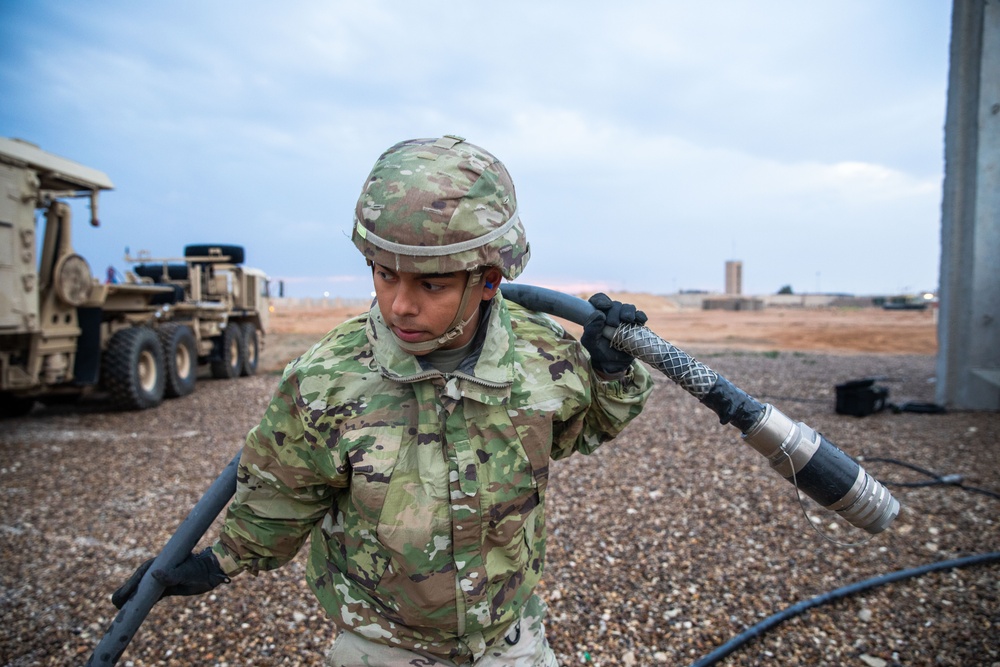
(778, 300)
(968, 363)
(732, 303)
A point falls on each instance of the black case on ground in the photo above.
(860, 398)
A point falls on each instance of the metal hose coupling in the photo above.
(822, 471)
(797, 452)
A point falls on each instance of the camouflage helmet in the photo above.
(439, 206)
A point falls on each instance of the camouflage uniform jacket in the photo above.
(423, 494)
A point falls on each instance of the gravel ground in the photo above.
(664, 544)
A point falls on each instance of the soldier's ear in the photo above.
(491, 282)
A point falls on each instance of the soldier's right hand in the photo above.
(608, 313)
(196, 574)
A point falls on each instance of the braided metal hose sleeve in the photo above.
(729, 402)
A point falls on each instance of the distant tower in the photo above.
(734, 277)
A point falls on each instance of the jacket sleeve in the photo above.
(603, 409)
(281, 492)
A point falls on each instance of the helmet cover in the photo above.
(440, 206)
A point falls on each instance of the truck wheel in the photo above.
(59, 399)
(251, 349)
(132, 369)
(15, 406)
(235, 253)
(180, 357)
(227, 361)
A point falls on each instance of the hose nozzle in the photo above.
(822, 472)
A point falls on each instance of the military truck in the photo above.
(63, 333)
(224, 304)
(904, 302)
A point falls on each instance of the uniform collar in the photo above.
(488, 373)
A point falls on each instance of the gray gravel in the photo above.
(665, 544)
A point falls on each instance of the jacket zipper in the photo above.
(426, 375)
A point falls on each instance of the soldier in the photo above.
(412, 443)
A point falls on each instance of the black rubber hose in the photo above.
(732, 404)
(936, 479)
(542, 300)
(759, 629)
(729, 402)
(135, 610)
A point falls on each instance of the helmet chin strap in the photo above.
(456, 327)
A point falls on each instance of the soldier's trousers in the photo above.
(523, 646)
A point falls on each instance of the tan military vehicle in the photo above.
(223, 303)
(64, 333)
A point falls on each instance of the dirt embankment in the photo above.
(834, 330)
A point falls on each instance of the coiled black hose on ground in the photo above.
(935, 479)
(759, 629)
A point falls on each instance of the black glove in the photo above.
(196, 574)
(603, 357)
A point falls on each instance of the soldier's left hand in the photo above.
(610, 313)
(196, 574)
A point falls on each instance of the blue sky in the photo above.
(649, 141)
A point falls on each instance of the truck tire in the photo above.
(180, 359)
(235, 253)
(132, 369)
(55, 400)
(15, 406)
(251, 349)
(227, 359)
(155, 272)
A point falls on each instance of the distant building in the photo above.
(732, 303)
(734, 278)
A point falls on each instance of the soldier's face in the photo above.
(419, 307)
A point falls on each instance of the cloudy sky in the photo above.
(650, 141)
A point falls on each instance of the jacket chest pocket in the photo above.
(534, 433)
(372, 452)
(513, 473)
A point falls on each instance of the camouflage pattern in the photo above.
(523, 644)
(435, 205)
(423, 494)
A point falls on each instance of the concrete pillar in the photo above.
(968, 361)
(734, 277)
